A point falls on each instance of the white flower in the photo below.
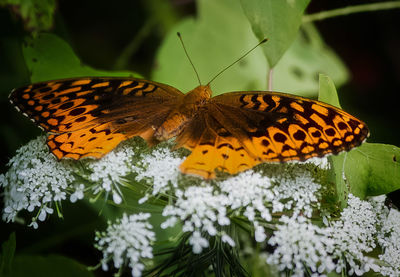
(201, 211)
(299, 243)
(344, 245)
(205, 208)
(35, 180)
(128, 240)
(108, 171)
(298, 193)
(354, 235)
(198, 242)
(322, 162)
(389, 240)
(250, 192)
(227, 239)
(259, 233)
(78, 194)
(160, 168)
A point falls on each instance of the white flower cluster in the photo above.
(107, 172)
(389, 241)
(299, 194)
(354, 235)
(130, 239)
(321, 162)
(342, 246)
(301, 244)
(151, 165)
(199, 209)
(249, 194)
(35, 180)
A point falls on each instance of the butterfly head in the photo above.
(199, 95)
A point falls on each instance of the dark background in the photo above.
(368, 43)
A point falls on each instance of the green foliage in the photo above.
(218, 260)
(48, 57)
(12, 265)
(230, 37)
(52, 265)
(372, 169)
(297, 71)
(37, 15)
(7, 255)
(213, 41)
(327, 91)
(279, 21)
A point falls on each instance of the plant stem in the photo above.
(269, 78)
(350, 10)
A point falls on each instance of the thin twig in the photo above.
(350, 10)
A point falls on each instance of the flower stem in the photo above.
(350, 10)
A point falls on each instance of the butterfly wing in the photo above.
(213, 147)
(241, 129)
(91, 116)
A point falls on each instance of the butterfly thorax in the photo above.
(185, 110)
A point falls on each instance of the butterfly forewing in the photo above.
(295, 127)
(91, 116)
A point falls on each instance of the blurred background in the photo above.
(125, 35)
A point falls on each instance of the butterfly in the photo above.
(231, 132)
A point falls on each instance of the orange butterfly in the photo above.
(232, 132)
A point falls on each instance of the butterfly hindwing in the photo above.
(90, 116)
(213, 147)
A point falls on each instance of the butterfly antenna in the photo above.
(241, 57)
(187, 55)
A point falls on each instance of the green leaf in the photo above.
(48, 57)
(37, 15)
(327, 91)
(337, 174)
(308, 56)
(232, 36)
(328, 94)
(52, 265)
(373, 169)
(279, 21)
(7, 255)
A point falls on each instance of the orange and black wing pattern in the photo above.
(88, 117)
(239, 130)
